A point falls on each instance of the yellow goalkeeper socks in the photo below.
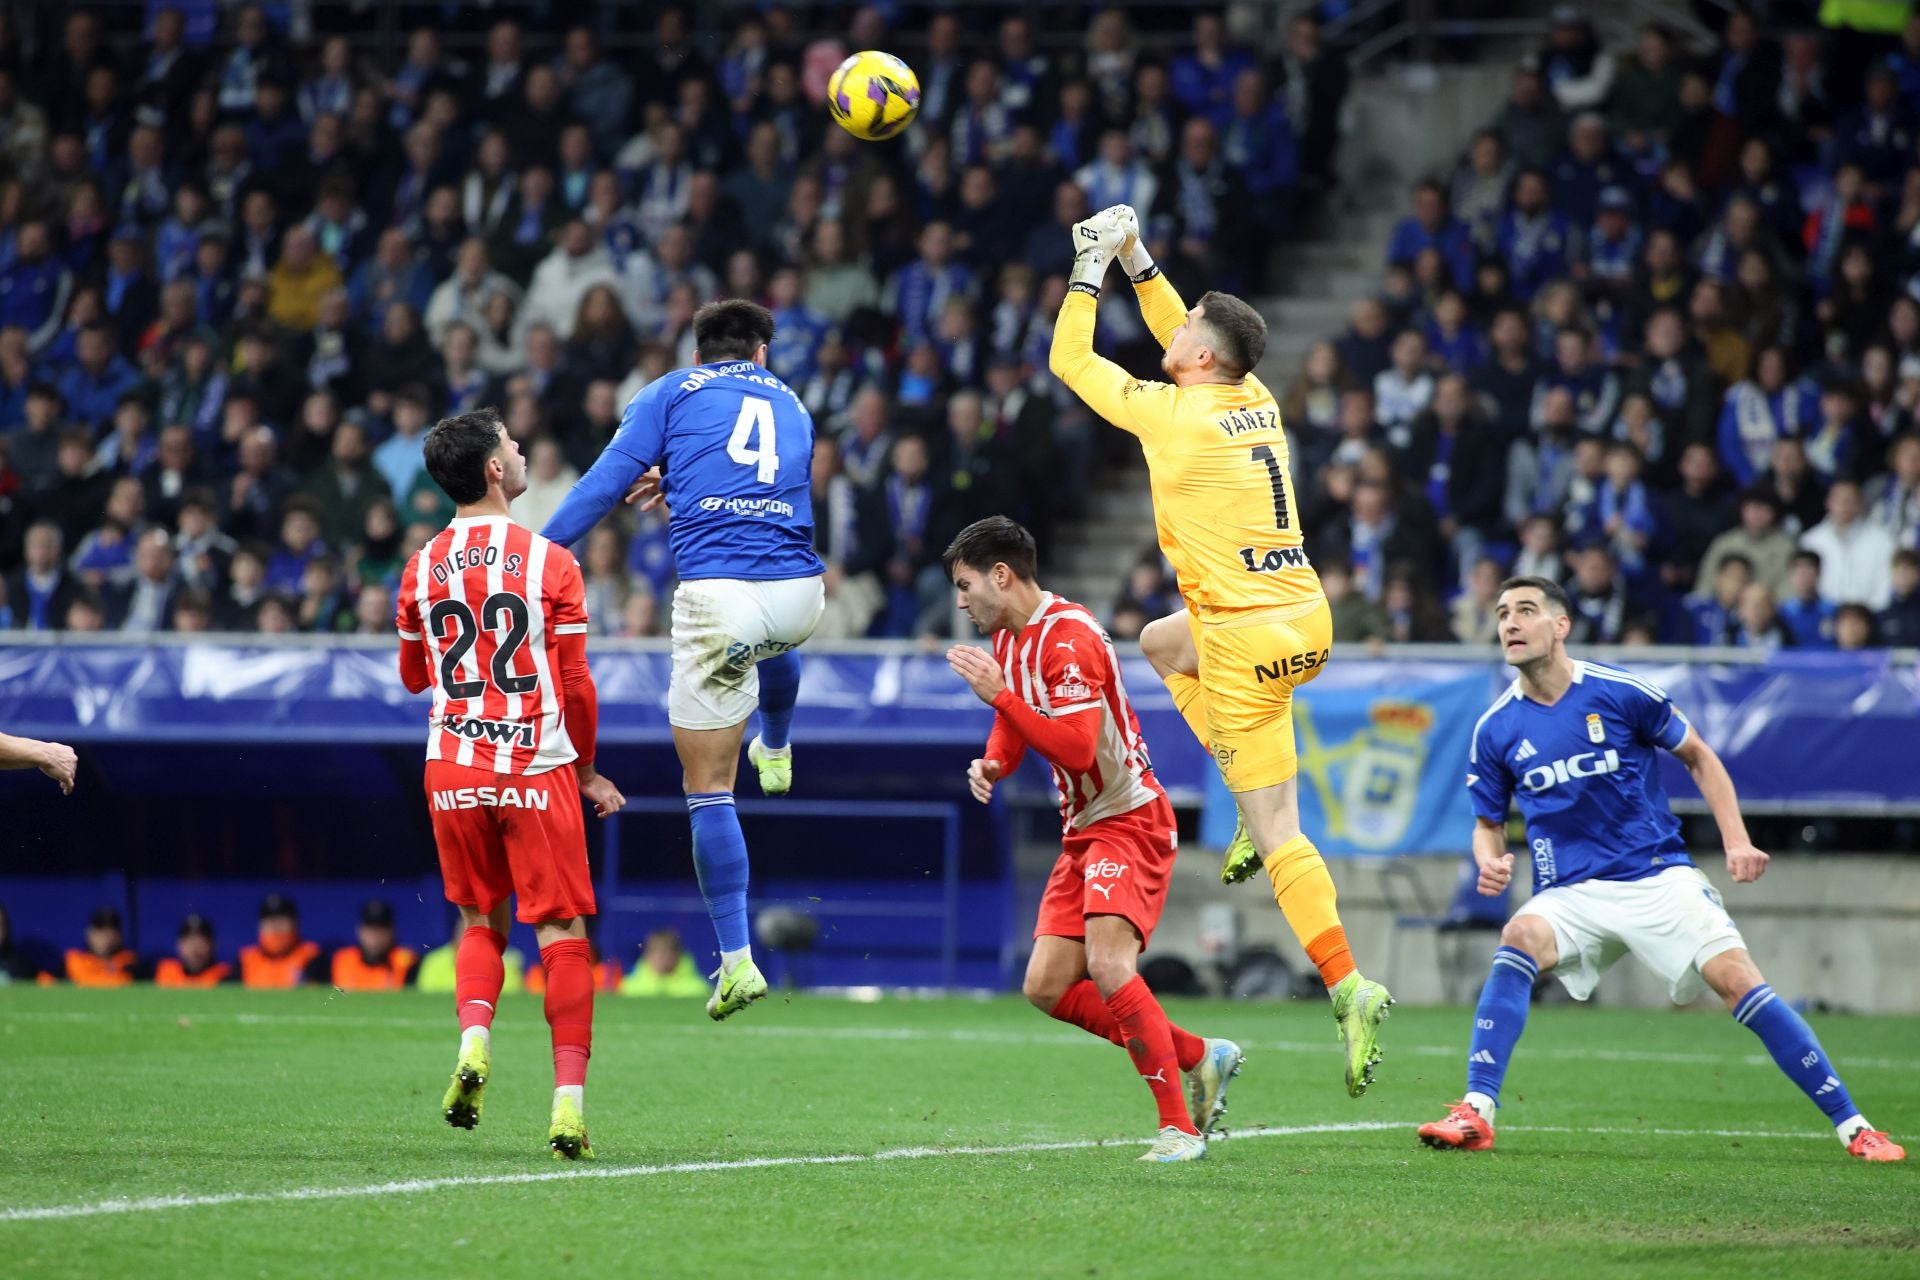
(1190, 700)
(1303, 888)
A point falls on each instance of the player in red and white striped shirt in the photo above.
(493, 618)
(1054, 685)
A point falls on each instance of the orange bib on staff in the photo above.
(85, 969)
(171, 973)
(606, 977)
(258, 969)
(351, 972)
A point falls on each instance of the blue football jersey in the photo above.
(1586, 773)
(735, 448)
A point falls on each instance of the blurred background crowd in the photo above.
(1655, 335)
(241, 273)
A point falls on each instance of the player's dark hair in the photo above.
(1549, 591)
(995, 540)
(731, 329)
(457, 450)
(1239, 332)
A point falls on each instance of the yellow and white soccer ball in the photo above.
(873, 95)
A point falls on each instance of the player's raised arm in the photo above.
(1129, 403)
(1160, 303)
(634, 449)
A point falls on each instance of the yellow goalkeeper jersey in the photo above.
(1216, 459)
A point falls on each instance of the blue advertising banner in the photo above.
(1381, 760)
(1382, 741)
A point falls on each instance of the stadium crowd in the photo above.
(240, 276)
(281, 956)
(1657, 336)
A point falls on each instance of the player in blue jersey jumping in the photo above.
(1575, 743)
(729, 448)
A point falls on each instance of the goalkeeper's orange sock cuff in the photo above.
(478, 975)
(1329, 954)
(1303, 888)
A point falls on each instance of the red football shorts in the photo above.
(1119, 866)
(505, 833)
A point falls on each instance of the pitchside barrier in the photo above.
(216, 768)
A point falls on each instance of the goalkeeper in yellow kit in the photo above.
(1256, 624)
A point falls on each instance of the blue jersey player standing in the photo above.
(729, 448)
(1576, 744)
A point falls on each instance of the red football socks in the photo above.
(1082, 1006)
(569, 966)
(1150, 1043)
(478, 975)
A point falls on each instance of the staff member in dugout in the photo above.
(375, 964)
(105, 961)
(194, 962)
(281, 957)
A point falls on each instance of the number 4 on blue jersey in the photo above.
(735, 448)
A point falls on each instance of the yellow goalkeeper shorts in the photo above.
(1250, 664)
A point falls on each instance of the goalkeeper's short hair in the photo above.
(1239, 332)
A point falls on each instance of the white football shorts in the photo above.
(1673, 921)
(722, 628)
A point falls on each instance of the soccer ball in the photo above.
(873, 95)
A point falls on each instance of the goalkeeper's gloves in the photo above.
(1096, 240)
(1134, 258)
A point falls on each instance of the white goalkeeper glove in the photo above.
(1134, 258)
(1096, 240)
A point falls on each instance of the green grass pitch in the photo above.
(297, 1134)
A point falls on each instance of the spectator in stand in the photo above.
(1600, 604)
(549, 477)
(1374, 537)
(1471, 617)
(40, 591)
(34, 286)
(145, 602)
(1893, 499)
(1402, 391)
(1482, 182)
(1770, 405)
(1833, 445)
(1899, 621)
(1539, 549)
(1854, 628)
(1432, 225)
(1856, 555)
(1589, 166)
(1877, 135)
(1806, 614)
(300, 543)
(1758, 539)
(1365, 348)
(1593, 388)
(1356, 619)
(1536, 241)
(1531, 124)
(1800, 493)
(1413, 615)
(1760, 626)
(1578, 71)
(1645, 103)
(348, 483)
(1693, 515)
(301, 277)
(96, 380)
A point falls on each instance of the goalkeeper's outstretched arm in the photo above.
(1160, 303)
(1129, 403)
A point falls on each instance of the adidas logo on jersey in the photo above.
(1485, 1055)
(1526, 751)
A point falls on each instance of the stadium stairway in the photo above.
(1405, 121)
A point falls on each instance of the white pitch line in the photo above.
(909, 1034)
(413, 1186)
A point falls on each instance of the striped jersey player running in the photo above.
(1256, 623)
(493, 618)
(1054, 685)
